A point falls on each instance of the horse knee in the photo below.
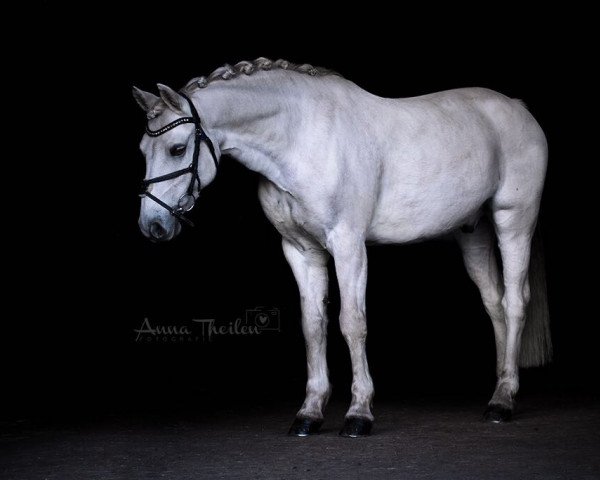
(508, 384)
(314, 327)
(353, 326)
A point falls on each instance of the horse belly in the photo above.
(434, 199)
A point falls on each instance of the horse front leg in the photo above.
(350, 257)
(310, 269)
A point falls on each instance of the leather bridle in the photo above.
(199, 137)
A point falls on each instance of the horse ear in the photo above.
(146, 100)
(170, 97)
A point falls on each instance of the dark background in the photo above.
(85, 278)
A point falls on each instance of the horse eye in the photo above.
(177, 150)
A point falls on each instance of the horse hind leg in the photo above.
(482, 266)
(515, 227)
(515, 207)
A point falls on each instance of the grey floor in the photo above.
(552, 437)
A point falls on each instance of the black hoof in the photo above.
(302, 427)
(497, 414)
(356, 427)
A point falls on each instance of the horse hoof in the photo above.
(497, 414)
(356, 427)
(303, 427)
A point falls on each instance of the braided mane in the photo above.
(227, 72)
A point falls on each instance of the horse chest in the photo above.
(292, 218)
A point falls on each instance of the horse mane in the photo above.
(227, 72)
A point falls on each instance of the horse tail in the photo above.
(536, 343)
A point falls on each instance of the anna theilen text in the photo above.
(256, 321)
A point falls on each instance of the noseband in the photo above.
(199, 137)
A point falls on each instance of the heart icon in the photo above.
(262, 319)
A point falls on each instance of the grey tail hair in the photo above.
(536, 343)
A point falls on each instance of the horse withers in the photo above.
(342, 168)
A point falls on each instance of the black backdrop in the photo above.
(86, 278)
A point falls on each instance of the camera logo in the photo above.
(264, 318)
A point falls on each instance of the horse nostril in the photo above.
(157, 230)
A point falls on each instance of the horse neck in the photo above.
(252, 122)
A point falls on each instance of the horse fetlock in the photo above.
(504, 394)
(508, 383)
(318, 389)
(361, 408)
(313, 410)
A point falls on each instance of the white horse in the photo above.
(342, 168)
